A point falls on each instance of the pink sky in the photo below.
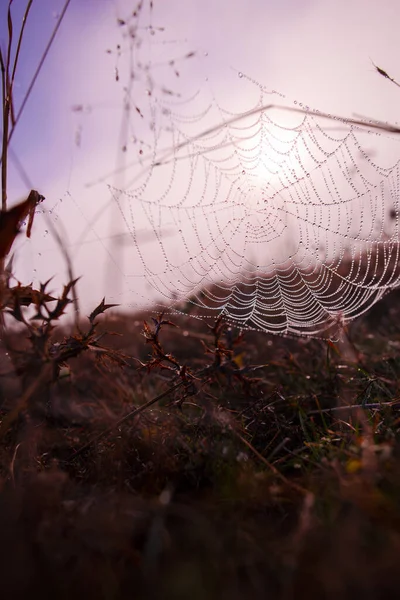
(314, 51)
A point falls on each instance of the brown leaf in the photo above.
(10, 221)
(101, 308)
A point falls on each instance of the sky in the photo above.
(76, 130)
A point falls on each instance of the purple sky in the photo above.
(314, 51)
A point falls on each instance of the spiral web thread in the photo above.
(263, 211)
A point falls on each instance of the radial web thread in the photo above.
(278, 217)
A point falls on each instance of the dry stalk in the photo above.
(130, 415)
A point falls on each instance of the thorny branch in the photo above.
(45, 356)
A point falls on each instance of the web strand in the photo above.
(277, 219)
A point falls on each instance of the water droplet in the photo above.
(240, 74)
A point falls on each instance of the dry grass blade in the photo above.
(5, 109)
(39, 68)
(20, 38)
(130, 415)
(8, 76)
(270, 466)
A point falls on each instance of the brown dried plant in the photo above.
(40, 363)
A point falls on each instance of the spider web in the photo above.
(241, 203)
(269, 213)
